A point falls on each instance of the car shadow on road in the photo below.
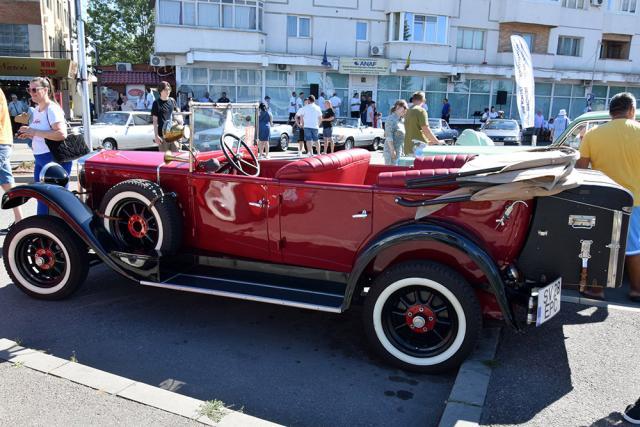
(286, 365)
(533, 370)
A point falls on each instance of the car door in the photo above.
(230, 214)
(323, 226)
(139, 132)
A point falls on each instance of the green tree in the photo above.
(123, 28)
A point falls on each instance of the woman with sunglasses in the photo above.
(47, 123)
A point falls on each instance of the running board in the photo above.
(253, 291)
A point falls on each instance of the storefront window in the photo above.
(222, 77)
(435, 84)
(411, 83)
(276, 78)
(563, 90)
(480, 86)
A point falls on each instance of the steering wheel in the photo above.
(236, 157)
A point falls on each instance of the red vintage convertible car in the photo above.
(325, 233)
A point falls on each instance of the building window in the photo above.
(14, 40)
(573, 4)
(569, 46)
(470, 39)
(424, 28)
(239, 14)
(529, 38)
(626, 6)
(361, 31)
(615, 46)
(298, 26)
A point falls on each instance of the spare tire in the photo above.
(142, 217)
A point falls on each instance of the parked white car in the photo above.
(502, 131)
(280, 136)
(123, 130)
(350, 132)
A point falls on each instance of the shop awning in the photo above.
(34, 67)
(129, 78)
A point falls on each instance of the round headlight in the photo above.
(53, 173)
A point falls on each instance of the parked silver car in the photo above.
(123, 130)
(350, 133)
(502, 131)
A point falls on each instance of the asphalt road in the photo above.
(289, 366)
(581, 369)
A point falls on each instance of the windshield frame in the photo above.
(114, 114)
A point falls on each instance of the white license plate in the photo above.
(549, 301)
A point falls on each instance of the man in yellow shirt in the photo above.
(416, 125)
(614, 148)
(6, 143)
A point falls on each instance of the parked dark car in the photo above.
(443, 131)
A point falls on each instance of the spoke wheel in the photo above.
(422, 316)
(284, 142)
(234, 150)
(45, 258)
(136, 225)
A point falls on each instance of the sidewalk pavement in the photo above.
(55, 391)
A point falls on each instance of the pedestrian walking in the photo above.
(293, 101)
(326, 122)
(310, 115)
(364, 103)
(446, 110)
(538, 125)
(6, 145)
(265, 121)
(355, 106)
(370, 114)
(161, 112)
(222, 100)
(336, 102)
(632, 413)
(416, 125)
(15, 108)
(149, 98)
(614, 148)
(394, 133)
(48, 122)
(560, 124)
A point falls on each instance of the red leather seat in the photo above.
(443, 164)
(442, 161)
(346, 167)
(399, 178)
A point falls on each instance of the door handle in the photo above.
(362, 214)
(259, 204)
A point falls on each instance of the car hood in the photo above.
(499, 132)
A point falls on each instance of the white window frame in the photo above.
(298, 18)
(366, 31)
(577, 4)
(461, 32)
(626, 7)
(259, 7)
(577, 40)
(403, 17)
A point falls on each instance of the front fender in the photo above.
(437, 233)
(80, 219)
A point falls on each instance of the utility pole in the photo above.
(82, 65)
(98, 99)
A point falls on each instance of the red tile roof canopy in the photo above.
(131, 78)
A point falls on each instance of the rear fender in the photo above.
(425, 232)
(84, 223)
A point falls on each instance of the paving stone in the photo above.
(163, 399)
(39, 361)
(460, 415)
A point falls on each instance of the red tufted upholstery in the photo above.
(399, 178)
(442, 161)
(347, 167)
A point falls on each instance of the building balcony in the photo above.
(419, 51)
(182, 38)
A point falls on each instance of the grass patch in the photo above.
(491, 363)
(73, 357)
(18, 364)
(213, 409)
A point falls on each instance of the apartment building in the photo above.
(459, 49)
(36, 40)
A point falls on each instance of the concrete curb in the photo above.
(465, 402)
(125, 388)
(633, 307)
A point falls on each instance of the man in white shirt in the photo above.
(140, 103)
(310, 116)
(336, 102)
(149, 99)
(15, 108)
(493, 114)
(293, 102)
(355, 105)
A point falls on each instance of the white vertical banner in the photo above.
(525, 86)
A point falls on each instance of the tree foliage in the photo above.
(123, 29)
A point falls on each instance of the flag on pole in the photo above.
(525, 85)
(325, 61)
(407, 64)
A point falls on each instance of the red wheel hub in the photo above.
(420, 318)
(44, 259)
(137, 226)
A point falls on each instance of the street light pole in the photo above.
(98, 103)
(82, 65)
